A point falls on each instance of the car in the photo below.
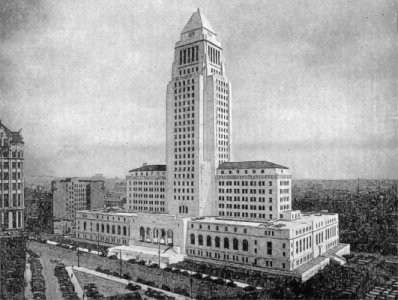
(113, 256)
(132, 261)
(249, 288)
(219, 281)
(154, 266)
(133, 287)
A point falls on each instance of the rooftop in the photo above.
(274, 225)
(116, 211)
(197, 21)
(262, 164)
(150, 168)
(15, 136)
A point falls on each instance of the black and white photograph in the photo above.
(198, 149)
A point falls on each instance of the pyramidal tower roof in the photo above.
(198, 20)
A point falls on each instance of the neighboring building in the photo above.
(71, 195)
(253, 190)
(11, 180)
(206, 206)
(39, 210)
(97, 196)
(283, 245)
(104, 225)
(12, 243)
(146, 189)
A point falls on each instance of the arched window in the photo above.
(84, 226)
(217, 242)
(107, 228)
(200, 240)
(235, 244)
(163, 237)
(142, 234)
(113, 229)
(208, 241)
(97, 227)
(192, 239)
(245, 245)
(226, 243)
(119, 230)
(102, 228)
(124, 230)
(148, 234)
(169, 237)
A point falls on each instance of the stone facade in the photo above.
(146, 189)
(253, 190)
(11, 180)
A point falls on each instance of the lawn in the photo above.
(104, 286)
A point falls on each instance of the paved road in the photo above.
(124, 281)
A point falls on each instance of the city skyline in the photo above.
(87, 83)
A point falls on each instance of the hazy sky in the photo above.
(314, 83)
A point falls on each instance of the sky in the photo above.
(314, 83)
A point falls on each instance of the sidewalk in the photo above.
(124, 281)
(28, 278)
(78, 288)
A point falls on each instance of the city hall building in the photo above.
(202, 203)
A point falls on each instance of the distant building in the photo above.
(39, 210)
(11, 180)
(73, 194)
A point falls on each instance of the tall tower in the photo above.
(198, 108)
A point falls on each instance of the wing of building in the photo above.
(203, 204)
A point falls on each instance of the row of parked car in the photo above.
(90, 290)
(158, 295)
(38, 283)
(66, 285)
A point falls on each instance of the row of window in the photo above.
(244, 199)
(148, 196)
(11, 219)
(244, 191)
(243, 215)
(244, 207)
(14, 186)
(146, 182)
(14, 165)
(142, 189)
(189, 55)
(14, 154)
(217, 242)
(6, 202)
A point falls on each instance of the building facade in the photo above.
(11, 180)
(198, 120)
(253, 190)
(283, 245)
(146, 189)
(104, 225)
(39, 210)
(71, 195)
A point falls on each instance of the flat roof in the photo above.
(275, 225)
(109, 212)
